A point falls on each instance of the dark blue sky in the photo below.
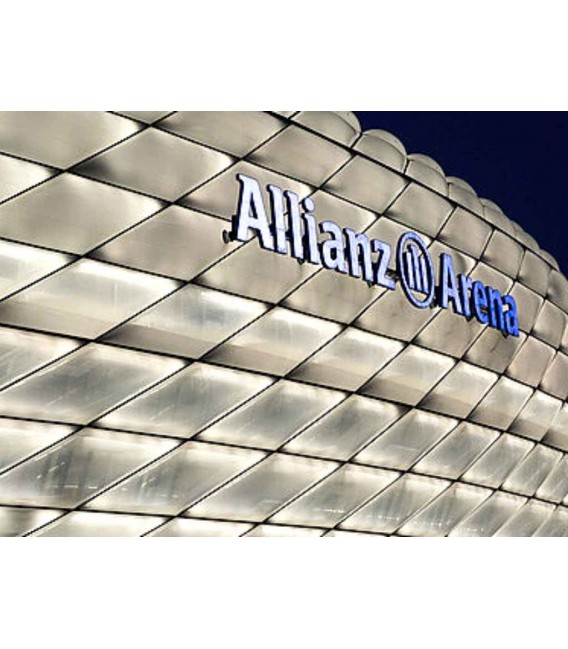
(518, 160)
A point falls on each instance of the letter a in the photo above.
(511, 319)
(448, 285)
(251, 214)
(333, 250)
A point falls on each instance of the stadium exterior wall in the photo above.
(267, 324)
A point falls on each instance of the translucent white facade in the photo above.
(159, 378)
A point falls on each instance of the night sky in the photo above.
(518, 160)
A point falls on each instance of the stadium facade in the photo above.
(268, 324)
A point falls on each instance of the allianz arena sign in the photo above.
(294, 230)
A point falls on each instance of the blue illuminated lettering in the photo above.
(333, 250)
(479, 301)
(415, 270)
(294, 230)
(448, 291)
(359, 248)
(382, 264)
(311, 232)
(495, 308)
(251, 214)
(278, 218)
(465, 283)
(511, 319)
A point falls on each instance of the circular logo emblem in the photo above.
(415, 269)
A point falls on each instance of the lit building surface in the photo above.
(187, 349)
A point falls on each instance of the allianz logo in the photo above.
(293, 229)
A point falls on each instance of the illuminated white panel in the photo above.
(558, 289)
(263, 489)
(349, 360)
(555, 525)
(78, 468)
(502, 403)
(146, 116)
(21, 265)
(526, 520)
(344, 213)
(61, 138)
(459, 391)
(405, 441)
(490, 277)
(394, 506)
(366, 184)
(218, 196)
(19, 439)
(276, 342)
(334, 296)
(96, 524)
(466, 232)
(393, 315)
(175, 482)
(558, 433)
(301, 155)
(531, 472)
(464, 194)
(242, 132)
(554, 380)
(83, 385)
(410, 376)
(488, 518)
(449, 334)
(347, 535)
(531, 362)
(550, 323)
(188, 323)
(341, 126)
(175, 242)
(493, 350)
(427, 171)
(457, 451)
(22, 352)
(258, 274)
(334, 498)
(196, 527)
(537, 416)
(85, 299)
(158, 164)
(534, 273)
(17, 521)
(442, 515)
(72, 213)
(420, 209)
(268, 420)
(498, 461)
(187, 402)
(555, 487)
(282, 531)
(339, 434)
(17, 175)
(503, 253)
(528, 306)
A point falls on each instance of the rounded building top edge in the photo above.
(351, 119)
(486, 202)
(388, 137)
(516, 231)
(483, 207)
(461, 183)
(428, 161)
